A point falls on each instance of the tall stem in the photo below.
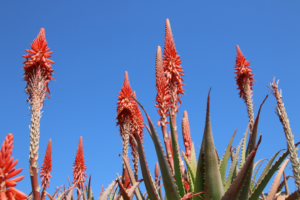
(37, 87)
(280, 111)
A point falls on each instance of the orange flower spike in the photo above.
(126, 105)
(79, 166)
(7, 171)
(172, 68)
(244, 77)
(37, 63)
(125, 112)
(162, 97)
(37, 73)
(163, 102)
(186, 133)
(47, 166)
(138, 118)
(244, 80)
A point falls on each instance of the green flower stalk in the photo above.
(38, 73)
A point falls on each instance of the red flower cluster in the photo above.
(37, 64)
(244, 76)
(79, 166)
(8, 170)
(47, 166)
(172, 68)
(127, 109)
(163, 96)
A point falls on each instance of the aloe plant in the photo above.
(183, 177)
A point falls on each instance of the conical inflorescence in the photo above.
(130, 121)
(79, 166)
(244, 80)
(37, 73)
(8, 170)
(47, 166)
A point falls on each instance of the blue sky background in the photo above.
(95, 42)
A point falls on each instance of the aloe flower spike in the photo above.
(38, 73)
(46, 169)
(244, 80)
(125, 112)
(8, 171)
(162, 103)
(173, 72)
(79, 166)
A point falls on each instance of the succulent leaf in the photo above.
(178, 175)
(190, 171)
(224, 160)
(237, 184)
(168, 180)
(212, 174)
(243, 153)
(193, 159)
(148, 180)
(233, 167)
(137, 192)
(273, 190)
(265, 180)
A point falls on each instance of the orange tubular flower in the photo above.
(125, 112)
(8, 170)
(244, 80)
(172, 69)
(162, 97)
(38, 67)
(38, 73)
(162, 102)
(79, 166)
(186, 133)
(129, 118)
(47, 166)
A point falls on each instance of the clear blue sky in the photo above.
(95, 42)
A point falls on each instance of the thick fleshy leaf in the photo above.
(199, 183)
(137, 192)
(260, 162)
(268, 166)
(177, 168)
(237, 184)
(224, 160)
(251, 145)
(123, 191)
(190, 171)
(233, 167)
(212, 174)
(148, 180)
(193, 159)
(272, 192)
(168, 180)
(265, 180)
(107, 191)
(243, 153)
